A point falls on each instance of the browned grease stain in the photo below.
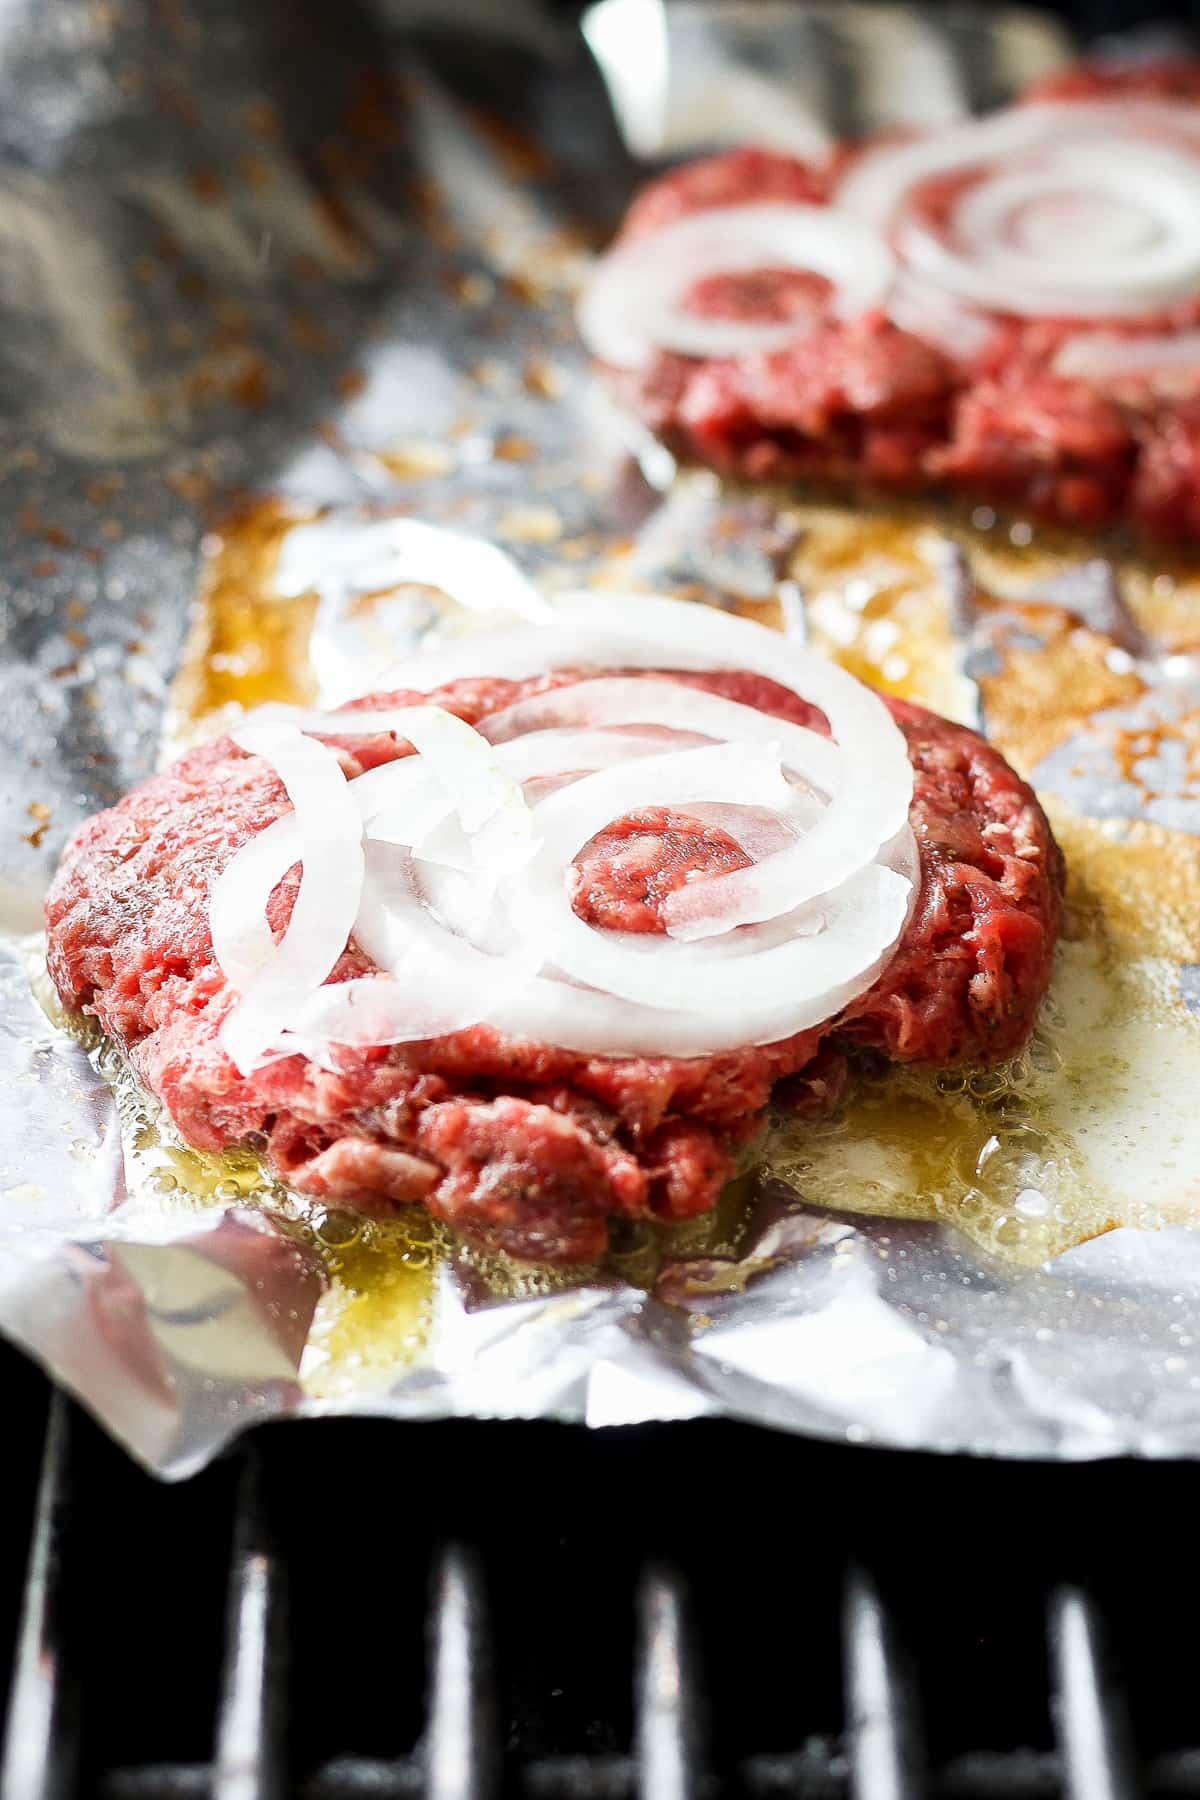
(876, 601)
(544, 379)
(1161, 589)
(418, 459)
(530, 525)
(520, 156)
(248, 645)
(1042, 696)
(1133, 745)
(41, 814)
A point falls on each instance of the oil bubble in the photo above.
(338, 1230)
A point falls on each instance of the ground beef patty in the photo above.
(857, 400)
(527, 1146)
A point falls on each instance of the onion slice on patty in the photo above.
(1063, 210)
(603, 630)
(635, 301)
(327, 900)
(644, 701)
(680, 977)
(464, 898)
(1098, 357)
(435, 981)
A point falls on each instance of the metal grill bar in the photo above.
(1175, 1774)
(667, 1739)
(886, 1753)
(41, 1740)
(342, 1778)
(579, 1778)
(160, 1781)
(880, 1757)
(1089, 1707)
(820, 1772)
(249, 1764)
(460, 1749)
(1002, 1775)
(365, 1778)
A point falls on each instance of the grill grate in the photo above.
(665, 1616)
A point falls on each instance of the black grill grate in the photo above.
(467, 1611)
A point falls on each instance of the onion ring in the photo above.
(463, 901)
(634, 304)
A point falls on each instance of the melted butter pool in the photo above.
(374, 1316)
(1095, 1125)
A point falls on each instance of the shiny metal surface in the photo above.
(669, 1765)
(252, 1723)
(814, 1634)
(461, 1751)
(42, 1727)
(883, 1730)
(1090, 1708)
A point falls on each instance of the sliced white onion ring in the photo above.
(568, 753)
(878, 182)
(399, 802)
(330, 845)
(613, 630)
(1093, 211)
(1014, 277)
(590, 1023)
(645, 631)
(640, 700)
(489, 803)
(1099, 356)
(540, 906)
(456, 767)
(435, 982)
(755, 829)
(634, 302)
(460, 934)
(237, 909)
(939, 319)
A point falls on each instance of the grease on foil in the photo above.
(957, 1262)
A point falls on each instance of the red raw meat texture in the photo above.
(524, 1145)
(860, 402)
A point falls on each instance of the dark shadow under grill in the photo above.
(456, 1611)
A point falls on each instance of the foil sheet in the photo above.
(298, 262)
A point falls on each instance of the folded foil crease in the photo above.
(228, 235)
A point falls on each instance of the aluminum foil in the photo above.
(325, 258)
